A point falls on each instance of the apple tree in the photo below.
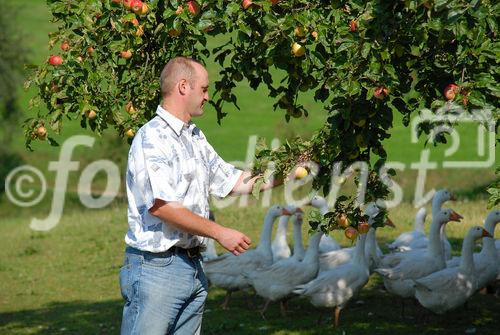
(365, 61)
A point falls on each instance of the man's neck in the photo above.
(184, 117)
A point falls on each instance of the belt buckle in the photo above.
(192, 252)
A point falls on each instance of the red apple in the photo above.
(380, 92)
(135, 22)
(136, 6)
(126, 54)
(342, 220)
(64, 46)
(90, 51)
(128, 3)
(144, 9)
(363, 228)
(351, 233)
(450, 91)
(193, 7)
(55, 60)
(353, 25)
(246, 3)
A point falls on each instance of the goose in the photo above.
(327, 243)
(279, 246)
(404, 241)
(486, 261)
(298, 247)
(334, 288)
(419, 246)
(225, 271)
(451, 287)
(278, 281)
(414, 265)
(332, 259)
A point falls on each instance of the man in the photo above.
(172, 169)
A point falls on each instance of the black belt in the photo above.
(191, 252)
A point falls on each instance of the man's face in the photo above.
(198, 91)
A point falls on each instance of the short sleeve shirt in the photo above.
(172, 161)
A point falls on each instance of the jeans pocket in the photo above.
(126, 281)
(154, 261)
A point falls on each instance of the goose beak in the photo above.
(299, 210)
(454, 216)
(389, 223)
(453, 197)
(285, 211)
(486, 233)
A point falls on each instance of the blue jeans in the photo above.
(164, 293)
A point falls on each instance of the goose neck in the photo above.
(467, 261)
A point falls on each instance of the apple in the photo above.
(129, 108)
(130, 133)
(299, 31)
(314, 34)
(136, 6)
(274, 2)
(301, 172)
(55, 60)
(41, 132)
(135, 22)
(246, 3)
(298, 50)
(144, 9)
(140, 31)
(174, 32)
(380, 92)
(128, 3)
(179, 10)
(64, 46)
(193, 7)
(90, 50)
(126, 54)
(351, 233)
(363, 228)
(353, 26)
(91, 114)
(450, 91)
(79, 59)
(342, 220)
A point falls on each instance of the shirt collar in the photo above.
(176, 124)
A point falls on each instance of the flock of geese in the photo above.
(418, 266)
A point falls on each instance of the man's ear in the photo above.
(183, 86)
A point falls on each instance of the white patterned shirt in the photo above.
(172, 161)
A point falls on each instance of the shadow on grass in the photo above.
(78, 317)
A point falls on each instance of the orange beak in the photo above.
(389, 223)
(486, 233)
(299, 210)
(454, 216)
(285, 211)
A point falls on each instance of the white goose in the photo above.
(327, 243)
(226, 270)
(277, 281)
(336, 287)
(279, 246)
(414, 265)
(451, 287)
(332, 259)
(406, 241)
(485, 262)
(440, 197)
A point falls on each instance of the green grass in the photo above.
(65, 281)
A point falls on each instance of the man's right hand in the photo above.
(233, 240)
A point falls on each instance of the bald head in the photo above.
(177, 69)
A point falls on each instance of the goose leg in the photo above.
(283, 307)
(226, 300)
(336, 316)
(264, 309)
(402, 308)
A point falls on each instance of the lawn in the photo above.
(65, 281)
